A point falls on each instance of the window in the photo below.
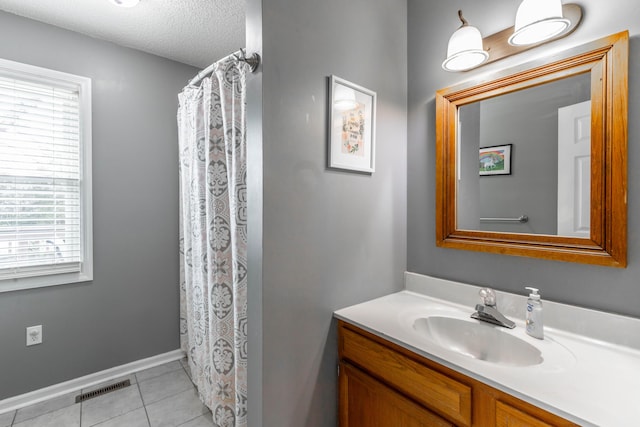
(45, 177)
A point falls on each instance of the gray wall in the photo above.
(254, 217)
(468, 191)
(430, 25)
(331, 238)
(130, 310)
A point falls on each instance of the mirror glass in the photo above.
(524, 160)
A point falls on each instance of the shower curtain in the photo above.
(213, 239)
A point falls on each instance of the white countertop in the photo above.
(584, 379)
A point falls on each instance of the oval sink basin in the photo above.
(477, 340)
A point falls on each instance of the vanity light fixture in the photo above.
(537, 21)
(464, 50)
(125, 3)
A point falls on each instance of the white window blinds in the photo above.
(40, 178)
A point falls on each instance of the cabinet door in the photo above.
(365, 402)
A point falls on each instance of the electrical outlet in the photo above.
(34, 335)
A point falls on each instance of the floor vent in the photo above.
(104, 390)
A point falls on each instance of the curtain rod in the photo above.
(253, 61)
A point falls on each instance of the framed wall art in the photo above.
(495, 160)
(352, 120)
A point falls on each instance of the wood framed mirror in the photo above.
(495, 189)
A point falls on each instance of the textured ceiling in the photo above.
(195, 32)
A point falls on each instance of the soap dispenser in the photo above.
(535, 326)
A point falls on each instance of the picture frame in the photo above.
(495, 160)
(352, 126)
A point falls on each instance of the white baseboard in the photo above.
(22, 400)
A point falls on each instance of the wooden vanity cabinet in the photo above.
(371, 403)
(385, 385)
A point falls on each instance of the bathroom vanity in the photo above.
(416, 358)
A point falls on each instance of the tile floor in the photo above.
(162, 396)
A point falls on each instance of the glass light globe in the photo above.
(344, 98)
(537, 21)
(465, 50)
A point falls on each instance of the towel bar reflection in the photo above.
(521, 219)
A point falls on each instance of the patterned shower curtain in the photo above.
(213, 239)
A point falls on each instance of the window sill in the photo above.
(10, 285)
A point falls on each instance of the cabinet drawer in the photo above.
(432, 389)
(508, 416)
(525, 415)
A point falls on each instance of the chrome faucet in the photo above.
(488, 310)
